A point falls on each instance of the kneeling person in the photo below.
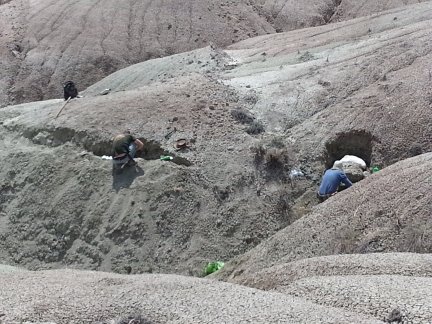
(125, 148)
(331, 180)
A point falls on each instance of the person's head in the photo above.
(337, 165)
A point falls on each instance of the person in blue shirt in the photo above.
(331, 180)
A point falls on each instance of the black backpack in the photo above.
(69, 90)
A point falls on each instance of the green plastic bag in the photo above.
(212, 267)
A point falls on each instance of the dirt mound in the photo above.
(363, 219)
(48, 42)
(90, 297)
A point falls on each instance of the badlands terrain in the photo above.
(258, 89)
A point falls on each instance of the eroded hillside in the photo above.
(251, 113)
(262, 107)
(44, 43)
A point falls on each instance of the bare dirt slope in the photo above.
(89, 297)
(354, 222)
(79, 213)
(358, 82)
(44, 43)
(251, 113)
(303, 259)
(173, 217)
(361, 86)
(378, 284)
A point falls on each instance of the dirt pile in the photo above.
(90, 297)
(47, 42)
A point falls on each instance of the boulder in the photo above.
(353, 171)
(354, 160)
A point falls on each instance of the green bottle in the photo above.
(375, 169)
(166, 158)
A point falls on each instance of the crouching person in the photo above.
(331, 180)
(125, 148)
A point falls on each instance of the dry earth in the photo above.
(388, 211)
(173, 217)
(65, 296)
(353, 222)
(44, 43)
(375, 283)
(251, 112)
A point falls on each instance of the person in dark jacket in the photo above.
(331, 180)
(125, 148)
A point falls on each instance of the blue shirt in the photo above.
(331, 181)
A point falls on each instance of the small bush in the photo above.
(283, 201)
(259, 152)
(273, 162)
(277, 142)
(242, 116)
(418, 237)
(255, 128)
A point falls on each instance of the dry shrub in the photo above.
(418, 237)
(282, 206)
(242, 116)
(272, 162)
(259, 151)
(275, 158)
(255, 128)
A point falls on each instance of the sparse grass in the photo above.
(272, 161)
(259, 151)
(283, 201)
(255, 128)
(242, 116)
(306, 56)
(418, 238)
